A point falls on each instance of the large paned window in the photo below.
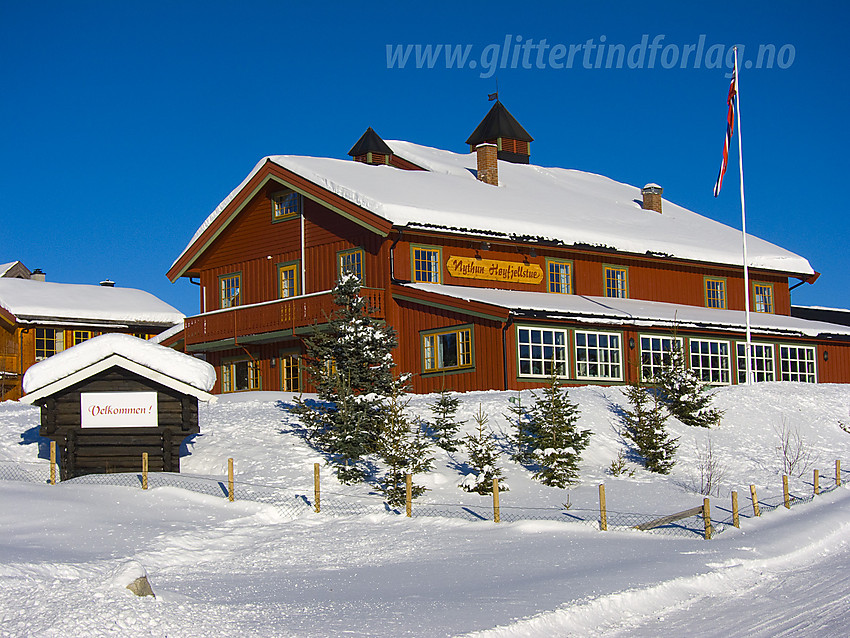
(48, 342)
(616, 282)
(761, 362)
(710, 360)
(285, 205)
(290, 373)
(447, 349)
(426, 264)
(238, 376)
(287, 278)
(560, 275)
(229, 287)
(655, 354)
(351, 262)
(797, 363)
(541, 352)
(598, 355)
(763, 296)
(715, 293)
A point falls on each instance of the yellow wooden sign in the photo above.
(510, 271)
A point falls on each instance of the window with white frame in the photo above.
(655, 354)
(598, 355)
(797, 363)
(541, 352)
(447, 349)
(710, 360)
(761, 362)
(238, 376)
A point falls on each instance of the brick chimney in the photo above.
(652, 197)
(488, 167)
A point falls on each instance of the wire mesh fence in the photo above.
(294, 502)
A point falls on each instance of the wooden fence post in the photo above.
(230, 495)
(786, 496)
(837, 473)
(497, 517)
(603, 510)
(144, 470)
(706, 516)
(817, 482)
(735, 520)
(316, 494)
(756, 509)
(53, 462)
(408, 494)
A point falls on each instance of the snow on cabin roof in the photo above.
(166, 361)
(635, 312)
(532, 203)
(29, 299)
(4, 268)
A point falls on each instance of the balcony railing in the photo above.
(271, 316)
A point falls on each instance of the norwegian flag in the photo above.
(730, 127)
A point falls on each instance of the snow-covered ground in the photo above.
(252, 569)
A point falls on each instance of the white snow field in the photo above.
(254, 569)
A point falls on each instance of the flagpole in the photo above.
(749, 347)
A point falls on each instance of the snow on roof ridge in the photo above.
(194, 372)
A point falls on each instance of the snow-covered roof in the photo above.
(4, 268)
(31, 300)
(138, 355)
(567, 206)
(598, 310)
(165, 334)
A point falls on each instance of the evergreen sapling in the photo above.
(483, 458)
(444, 425)
(645, 426)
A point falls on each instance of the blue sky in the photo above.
(124, 124)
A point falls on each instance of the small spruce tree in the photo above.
(558, 440)
(526, 431)
(645, 426)
(445, 427)
(685, 395)
(483, 458)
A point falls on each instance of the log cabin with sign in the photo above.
(494, 272)
(107, 401)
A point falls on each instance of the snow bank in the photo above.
(199, 374)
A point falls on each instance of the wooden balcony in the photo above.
(280, 315)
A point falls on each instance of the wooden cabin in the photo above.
(39, 319)
(495, 273)
(109, 400)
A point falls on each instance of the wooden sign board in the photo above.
(494, 270)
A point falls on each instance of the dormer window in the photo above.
(285, 205)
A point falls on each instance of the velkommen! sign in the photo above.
(118, 409)
(510, 271)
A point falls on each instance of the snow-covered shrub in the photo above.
(483, 458)
(444, 426)
(686, 396)
(645, 426)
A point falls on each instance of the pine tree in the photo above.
(685, 395)
(404, 448)
(559, 442)
(483, 458)
(444, 425)
(526, 433)
(645, 426)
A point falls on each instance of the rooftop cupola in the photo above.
(499, 127)
(371, 149)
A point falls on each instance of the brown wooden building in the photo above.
(494, 272)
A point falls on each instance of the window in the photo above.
(238, 376)
(655, 354)
(797, 363)
(79, 336)
(290, 373)
(228, 287)
(761, 361)
(426, 264)
(763, 294)
(142, 335)
(287, 277)
(447, 350)
(541, 352)
(715, 293)
(285, 205)
(48, 342)
(598, 355)
(710, 360)
(351, 261)
(560, 277)
(616, 282)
